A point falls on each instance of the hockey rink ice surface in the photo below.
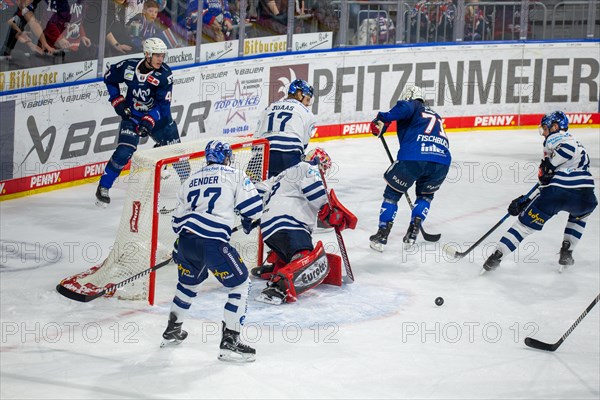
(381, 337)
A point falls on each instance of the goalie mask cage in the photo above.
(145, 237)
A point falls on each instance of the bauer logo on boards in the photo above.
(135, 216)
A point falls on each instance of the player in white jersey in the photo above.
(208, 201)
(293, 199)
(288, 125)
(565, 185)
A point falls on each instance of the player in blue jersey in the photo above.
(565, 185)
(288, 125)
(145, 109)
(423, 159)
(208, 202)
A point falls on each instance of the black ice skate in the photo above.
(102, 198)
(493, 261)
(232, 349)
(173, 334)
(413, 231)
(379, 240)
(274, 293)
(566, 256)
(262, 269)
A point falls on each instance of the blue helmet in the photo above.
(303, 86)
(217, 152)
(557, 116)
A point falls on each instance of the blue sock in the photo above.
(421, 209)
(387, 212)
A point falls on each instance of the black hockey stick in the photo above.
(430, 237)
(536, 344)
(459, 255)
(338, 235)
(110, 290)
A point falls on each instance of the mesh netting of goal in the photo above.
(145, 237)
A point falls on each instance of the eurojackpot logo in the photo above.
(281, 77)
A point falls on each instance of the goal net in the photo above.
(145, 237)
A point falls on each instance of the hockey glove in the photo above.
(331, 217)
(146, 125)
(247, 225)
(121, 107)
(379, 127)
(518, 205)
(546, 171)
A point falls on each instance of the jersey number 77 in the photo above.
(433, 119)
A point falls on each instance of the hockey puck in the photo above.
(439, 301)
(450, 251)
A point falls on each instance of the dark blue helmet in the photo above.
(217, 152)
(301, 85)
(557, 116)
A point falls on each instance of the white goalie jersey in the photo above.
(292, 199)
(210, 198)
(571, 161)
(287, 125)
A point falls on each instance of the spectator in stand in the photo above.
(75, 37)
(24, 15)
(431, 21)
(60, 17)
(477, 26)
(217, 18)
(118, 40)
(144, 25)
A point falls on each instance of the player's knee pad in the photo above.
(232, 272)
(391, 195)
(121, 156)
(304, 273)
(533, 217)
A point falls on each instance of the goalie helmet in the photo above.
(412, 93)
(154, 46)
(557, 117)
(318, 156)
(301, 85)
(217, 152)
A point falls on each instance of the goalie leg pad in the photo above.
(305, 272)
(334, 277)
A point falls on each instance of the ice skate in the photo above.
(566, 256)
(102, 198)
(379, 240)
(173, 335)
(232, 349)
(262, 269)
(493, 261)
(411, 234)
(273, 294)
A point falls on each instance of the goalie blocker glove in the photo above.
(518, 205)
(121, 107)
(146, 125)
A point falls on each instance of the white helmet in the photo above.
(154, 46)
(412, 93)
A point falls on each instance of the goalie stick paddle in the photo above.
(430, 237)
(536, 344)
(349, 278)
(459, 255)
(111, 289)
